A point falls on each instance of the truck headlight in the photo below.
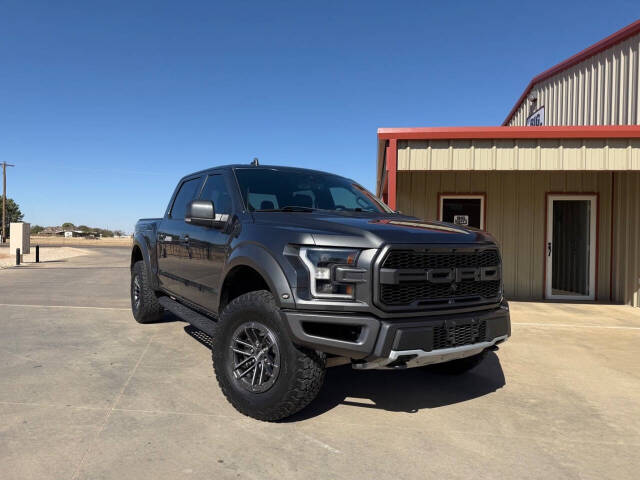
(328, 278)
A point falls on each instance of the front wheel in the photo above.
(260, 371)
(144, 302)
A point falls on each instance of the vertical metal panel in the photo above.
(462, 155)
(417, 194)
(419, 159)
(601, 90)
(404, 155)
(406, 199)
(440, 155)
(483, 155)
(626, 236)
(516, 216)
(594, 154)
(505, 154)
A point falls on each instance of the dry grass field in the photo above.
(80, 242)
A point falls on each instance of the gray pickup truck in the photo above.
(292, 270)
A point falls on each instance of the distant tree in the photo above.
(102, 232)
(67, 225)
(84, 228)
(36, 229)
(118, 233)
(13, 213)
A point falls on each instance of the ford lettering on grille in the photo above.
(422, 278)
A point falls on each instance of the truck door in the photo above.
(173, 240)
(208, 247)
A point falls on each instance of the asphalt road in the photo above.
(87, 393)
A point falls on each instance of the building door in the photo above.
(571, 247)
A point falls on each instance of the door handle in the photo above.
(549, 249)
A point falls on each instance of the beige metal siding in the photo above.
(601, 90)
(520, 154)
(516, 216)
(626, 244)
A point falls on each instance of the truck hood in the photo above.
(370, 231)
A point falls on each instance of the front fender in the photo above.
(140, 241)
(258, 258)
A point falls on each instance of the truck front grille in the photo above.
(430, 278)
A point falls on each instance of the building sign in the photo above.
(461, 220)
(536, 119)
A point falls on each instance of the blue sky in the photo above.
(104, 105)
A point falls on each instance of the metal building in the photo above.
(597, 86)
(562, 201)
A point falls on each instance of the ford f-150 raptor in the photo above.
(291, 270)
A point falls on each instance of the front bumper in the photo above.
(408, 342)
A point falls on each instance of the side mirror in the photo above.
(202, 212)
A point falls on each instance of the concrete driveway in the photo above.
(86, 392)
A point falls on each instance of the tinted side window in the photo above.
(185, 195)
(216, 190)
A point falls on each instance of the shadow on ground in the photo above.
(403, 390)
(397, 391)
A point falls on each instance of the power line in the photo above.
(4, 199)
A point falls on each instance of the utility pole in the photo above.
(4, 199)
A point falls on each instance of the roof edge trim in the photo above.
(475, 133)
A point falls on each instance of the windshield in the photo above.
(270, 189)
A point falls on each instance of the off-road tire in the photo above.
(301, 371)
(147, 309)
(460, 366)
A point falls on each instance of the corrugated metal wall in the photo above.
(626, 245)
(602, 90)
(516, 215)
(520, 154)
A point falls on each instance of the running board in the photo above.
(196, 319)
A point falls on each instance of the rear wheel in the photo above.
(144, 302)
(460, 366)
(260, 371)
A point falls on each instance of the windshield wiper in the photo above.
(288, 208)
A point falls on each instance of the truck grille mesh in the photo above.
(459, 335)
(407, 293)
(402, 259)
(425, 294)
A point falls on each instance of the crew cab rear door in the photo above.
(173, 240)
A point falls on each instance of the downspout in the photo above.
(613, 199)
(392, 168)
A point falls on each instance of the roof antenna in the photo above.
(254, 162)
